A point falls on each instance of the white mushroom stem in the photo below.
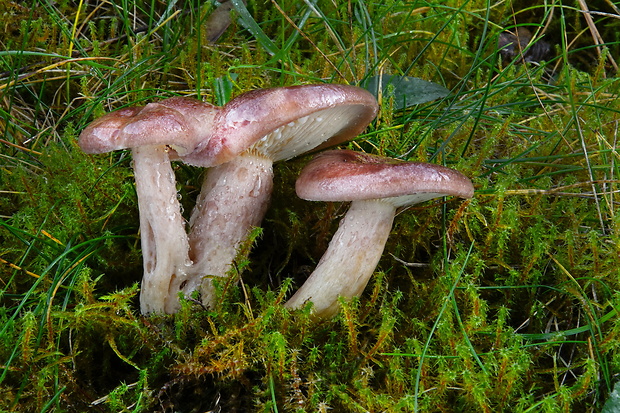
(162, 230)
(233, 199)
(350, 259)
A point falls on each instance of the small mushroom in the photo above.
(377, 187)
(514, 44)
(253, 131)
(156, 133)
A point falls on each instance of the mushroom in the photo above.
(251, 132)
(156, 133)
(377, 187)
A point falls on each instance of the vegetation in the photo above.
(508, 302)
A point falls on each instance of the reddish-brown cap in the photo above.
(281, 123)
(178, 122)
(344, 175)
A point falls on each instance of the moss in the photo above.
(503, 303)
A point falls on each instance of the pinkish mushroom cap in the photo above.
(178, 122)
(281, 123)
(344, 175)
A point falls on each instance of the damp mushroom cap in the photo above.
(284, 122)
(179, 123)
(344, 175)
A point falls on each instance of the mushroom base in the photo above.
(350, 259)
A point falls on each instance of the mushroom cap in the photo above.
(284, 122)
(344, 175)
(179, 122)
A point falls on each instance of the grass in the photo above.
(507, 302)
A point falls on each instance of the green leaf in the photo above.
(407, 91)
(223, 87)
(612, 405)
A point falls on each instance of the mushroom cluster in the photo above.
(238, 143)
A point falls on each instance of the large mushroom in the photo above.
(377, 187)
(251, 132)
(156, 133)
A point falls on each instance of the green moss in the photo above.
(503, 303)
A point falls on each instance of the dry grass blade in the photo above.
(595, 33)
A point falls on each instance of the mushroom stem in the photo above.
(350, 259)
(164, 240)
(233, 199)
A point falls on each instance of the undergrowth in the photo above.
(507, 302)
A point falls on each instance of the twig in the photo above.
(410, 264)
